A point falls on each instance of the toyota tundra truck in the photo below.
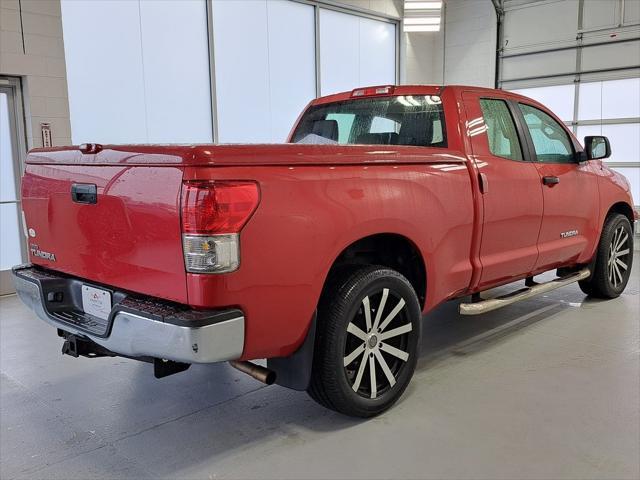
(320, 255)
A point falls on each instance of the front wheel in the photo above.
(367, 341)
(613, 260)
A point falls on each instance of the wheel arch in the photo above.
(624, 208)
(392, 250)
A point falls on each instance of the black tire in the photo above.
(343, 305)
(614, 258)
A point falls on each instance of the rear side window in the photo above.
(550, 140)
(401, 120)
(501, 129)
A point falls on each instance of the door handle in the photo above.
(551, 180)
(84, 193)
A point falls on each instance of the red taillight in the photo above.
(217, 207)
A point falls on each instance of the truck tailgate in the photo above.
(129, 238)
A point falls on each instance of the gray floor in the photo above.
(548, 388)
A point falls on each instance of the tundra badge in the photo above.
(36, 252)
(570, 233)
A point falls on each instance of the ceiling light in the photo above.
(421, 28)
(422, 21)
(408, 5)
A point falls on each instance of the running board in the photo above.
(484, 306)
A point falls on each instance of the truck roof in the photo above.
(396, 90)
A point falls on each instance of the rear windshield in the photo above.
(402, 120)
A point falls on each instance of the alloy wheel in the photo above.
(617, 263)
(377, 343)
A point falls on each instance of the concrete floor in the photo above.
(547, 388)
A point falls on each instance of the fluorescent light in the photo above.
(422, 5)
(421, 28)
(422, 21)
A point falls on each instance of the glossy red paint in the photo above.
(315, 201)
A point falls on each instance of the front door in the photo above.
(12, 243)
(511, 190)
(570, 192)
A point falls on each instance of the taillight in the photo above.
(213, 213)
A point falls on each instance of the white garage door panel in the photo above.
(609, 99)
(611, 56)
(624, 139)
(600, 13)
(556, 63)
(557, 98)
(631, 12)
(106, 97)
(178, 98)
(522, 26)
(633, 175)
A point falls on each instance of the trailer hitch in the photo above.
(76, 346)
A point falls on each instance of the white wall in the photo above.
(466, 40)
(470, 43)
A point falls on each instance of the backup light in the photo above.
(213, 213)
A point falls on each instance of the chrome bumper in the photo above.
(219, 339)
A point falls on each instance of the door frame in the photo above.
(12, 86)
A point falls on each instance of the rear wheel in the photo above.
(614, 258)
(367, 341)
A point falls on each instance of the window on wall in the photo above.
(142, 73)
(264, 66)
(612, 108)
(138, 71)
(558, 98)
(355, 52)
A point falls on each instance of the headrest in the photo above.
(326, 128)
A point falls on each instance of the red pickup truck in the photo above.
(320, 255)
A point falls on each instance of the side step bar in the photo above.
(484, 306)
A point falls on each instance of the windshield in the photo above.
(402, 120)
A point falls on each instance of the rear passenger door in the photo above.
(511, 190)
(570, 191)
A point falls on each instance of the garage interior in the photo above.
(548, 388)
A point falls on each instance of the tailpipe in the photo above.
(258, 372)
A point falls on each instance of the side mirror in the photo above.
(597, 147)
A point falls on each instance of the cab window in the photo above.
(501, 129)
(416, 120)
(550, 140)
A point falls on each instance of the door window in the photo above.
(550, 139)
(501, 130)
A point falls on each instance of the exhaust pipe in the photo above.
(258, 372)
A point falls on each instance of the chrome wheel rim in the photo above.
(376, 349)
(618, 261)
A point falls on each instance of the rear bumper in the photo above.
(137, 326)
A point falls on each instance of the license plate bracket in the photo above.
(96, 301)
